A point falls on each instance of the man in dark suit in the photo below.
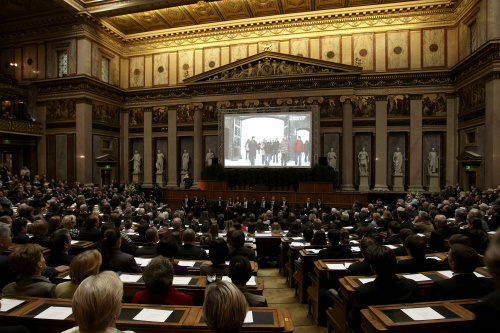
(274, 206)
(405, 220)
(494, 220)
(319, 206)
(394, 228)
(149, 250)
(187, 204)
(219, 206)
(416, 247)
(89, 231)
(362, 267)
(442, 232)
(335, 251)
(188, 250)
(8, 275)
(60, 243)
(308, 206)
(464, 283)
(238, 246)
(387, 288)
(263, 206)
(285, 207)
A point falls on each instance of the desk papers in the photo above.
(153, 315)
(426, 313)
(130, 278)
(9, 304)
(56, 313)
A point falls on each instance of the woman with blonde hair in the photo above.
(82, 266)
(97, 304)
(69, 222)
(275, 229)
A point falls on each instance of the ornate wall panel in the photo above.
(103, 112)
(160, 115)
(331, 48)
(96, 60)
(398, 50)
(136, 72)
(300, 47)
(398, 105)
(136, 117)
(434, 48)
(273, 46)
(6, 57)
(363, 51)
(160, 69)
(185, 64)
(60, 110)
(211, 58)
(238, 52)
(364, 107)
(434, 105)
(30, 62)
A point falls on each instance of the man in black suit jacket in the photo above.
(438, 235)
(219, 206)
(405, 220)
(284, 207)
(148, 250)
(320, 207)
(263, 206)
(464, 283)
(387, 288)
(190, 251)
(238, 246)
(308, 206)
(335, 251)
(362, 267)
(416, 247)
(60, 243)
(494, 220)
(187, 204)
(394, 228)
(274, 206)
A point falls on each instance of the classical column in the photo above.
(416, 167)
(124, 148)
(347, 146)
(381, 144)
(172, 148)
(451, 139)
(147, 168)
(84, 141)
(198, 135)
(41, 111)
(492, 124)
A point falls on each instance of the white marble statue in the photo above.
(185, 161)
(160, 158)
(363, 161)
(332, 159)
(433, 165)
(397, 159)
(137, 162)
(208, 157)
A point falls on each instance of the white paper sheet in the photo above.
(297, 244)
(248, 318)
(263, 235)
(8, 304)
(478, 274)
(421, 235)
(366, 280)
(73, 242)
(250, 282)
(353, 242)
(67, 277)
(335, 266)
(153, 315)
(448, 274)
(181, 280)
(492, 232)
(314, 250)
(56, 313)
(434, 257)
(130, 278)
(297, 238)
(349, 228)
(347, 264)
(392, 247)
(186, 263)
(426, 313)
(143, 262)
(355, 249)
(417, 277)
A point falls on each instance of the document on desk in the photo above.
(478, 275)
(427, 313)
(248, 318)
(143, 262)
(392, 247)
(73, 242)
(130, 278)
(297, 244)
(433, 257)
(347, 264)
(186, 263)
(8, 304)
(153, 315)
(314, 250)
(297, 238)
(67, 277)
(448, 274)
(366, 280)
(335, 266)
(55, 312)
(417, 277)
(355, 249)
(180, 280)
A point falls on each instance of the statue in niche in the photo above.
(433, 165)
(397, 159)
(208, 158)
(185, 161)
(137, 162)
(363, 161)
(160, 158)
(332, 159)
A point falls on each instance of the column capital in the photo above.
(147, 109)
(83, 100)
(347, 99)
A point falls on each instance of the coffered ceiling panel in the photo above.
(294, 6)
(328, 4)
(203, 12)
(264, 7)
(176, 17)
(234, 9)
(150, 20)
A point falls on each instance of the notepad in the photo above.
(153, 315)
(55, 312)
(130, 278)
(366, 280)
(8, 304)
(179, 280)
(335, 266)
(417, 277)
(448, 274)
(248, 318)
(426, 313)
(392, 247)
(186, 263)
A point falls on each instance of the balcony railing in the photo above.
(20, 126)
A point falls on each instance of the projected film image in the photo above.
(271, 140)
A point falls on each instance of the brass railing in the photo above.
(20, 126)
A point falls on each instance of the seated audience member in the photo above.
(403, 235)
(394, 228)
(387, 288)
(334, 251)
(97, 304)
(478, 237)
(362, 267)
(205, 240)
(294, 230)
(440, 233)
(158, 276)
(488, 310)
(319, 239)
(240, 271)
(275, 229)
(82, 266)
(69, 222)
(219, 254)
(8, 274)
(251, 229)
(464, 283)
(238, 246)
(60, 243)
(19, 230)
(54, 224)
(188, 250)
(13, 329)
(28, 261)
(113, 258)
(89, 231)
(308, 234)
(214, 230)
(494, 217)
(39, 229)
(224, 308)
(416, 247)
(422, 223)
(148, 250)
(168, 247)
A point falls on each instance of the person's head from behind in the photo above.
(319, 238)
(382, 260)
(333, 237)
(20, 224)
(218, 251)
(27, 259)
(167, 247)
(188, 236)
(97, 302)
(151, 235)
(492, 257)
(84, 265)
(394, 227)
(5, 237)
(39, 228)
(403, 234)
(158, 275)
(60, 241)
(240, 270)
(459, 239)
(365, 243)
(237, 239)
(308, 234)
(69, 221)
(416, 246)
(225, 307)
(462, 258)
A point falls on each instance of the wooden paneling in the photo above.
(212, 185)
(51, 156)
(71, 159)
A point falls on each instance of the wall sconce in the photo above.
(14, 64)
(82, 156)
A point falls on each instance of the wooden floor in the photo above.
(278, 294)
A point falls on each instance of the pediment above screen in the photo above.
(269, 65)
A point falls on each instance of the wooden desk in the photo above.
(268, 246)
(301, 277)
(390, 318)
(183, 318)
(78, 246)
(195, 269)
(283, 259)
(12, 246)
